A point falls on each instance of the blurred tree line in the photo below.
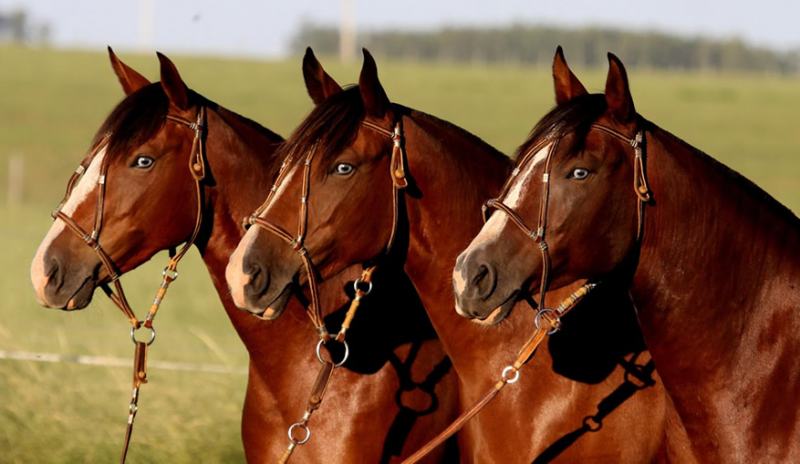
(16, 27)
(585, 47)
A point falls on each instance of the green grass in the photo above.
(75, 413)
(51, 104)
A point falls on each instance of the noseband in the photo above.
(547, 321)
(640, 186)
(197, 167)
(297, 241)
(299, 433)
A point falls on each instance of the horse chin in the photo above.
(275, 308)
(498, 314)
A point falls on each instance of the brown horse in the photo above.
(585, 408)
(711, 261)
(150, 206)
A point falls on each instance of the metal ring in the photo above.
(359, 282)
(291, 435)
(344, 358)
(538, 319)
(507, 378)
(152, 334)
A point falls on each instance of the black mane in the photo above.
(140, 116)
(573, 117)
(136, 119)
(576, 117)
(331, 126)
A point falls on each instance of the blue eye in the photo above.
(343, 169)
(579, 174)
(143, 162)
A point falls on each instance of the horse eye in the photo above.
(579, 174)
(143, 162)
(344, 169)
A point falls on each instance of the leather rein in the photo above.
(299, 433)
(547, 320)
(197, 167)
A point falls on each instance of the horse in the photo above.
(149, 205)
(335, 187)
(710, 259)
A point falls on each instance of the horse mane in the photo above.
(575, 116)
(329, 128)
(247, 122)
(333, 125)
(135, 119)
(425, 119)
(139, 116)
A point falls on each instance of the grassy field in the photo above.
(51, 104)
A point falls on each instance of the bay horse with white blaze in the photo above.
(368, 181)
(149, 204)
(711, 260)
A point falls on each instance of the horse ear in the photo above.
(618, 92)
(173, 85)
(376, 103)
(130, 80)
(319, 84)
(567, 85)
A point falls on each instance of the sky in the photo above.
(264, 28)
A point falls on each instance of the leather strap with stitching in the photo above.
(197, 167)
(548, 322)
(397, 165)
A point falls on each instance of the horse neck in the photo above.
(454, 175)
(241, 160)
(716, 274)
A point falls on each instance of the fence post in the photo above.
(16, 173)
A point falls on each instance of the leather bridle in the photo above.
(197, 167)
(361, 286)
(297, 241)
(547, 320)
(640, 186)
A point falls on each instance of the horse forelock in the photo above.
(573, 117)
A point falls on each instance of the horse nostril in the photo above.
(259, 279)
(484, 281)
(55, 279)
(483, 271)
